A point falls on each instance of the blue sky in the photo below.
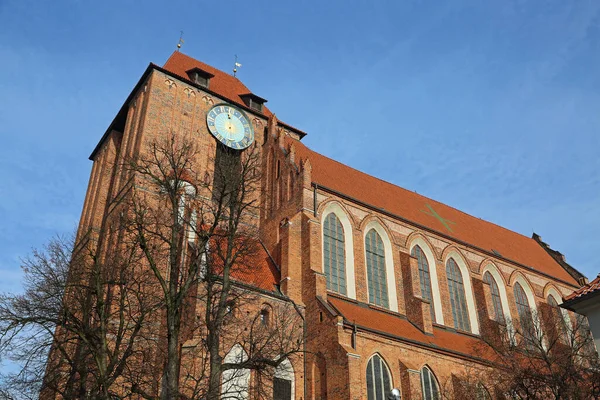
(491, 107)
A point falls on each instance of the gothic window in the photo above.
(425, 279)
(379, 383)
(458, 300)
(559, 319)
(334, 254)
(376, 276)
(481, 393)
(524, 311)
(283, 381)
(496, 301)
(265, 317)
(429, 385)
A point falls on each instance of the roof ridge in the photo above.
(409, 191)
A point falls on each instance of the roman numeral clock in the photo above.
(230, 126)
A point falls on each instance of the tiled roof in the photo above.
(387, 323)
(421, 210)
(590, 288)
(222, 83)
(260, 273)
(390, 198)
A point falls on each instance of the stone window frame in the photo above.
(342, 216)
(458, 296)
(468, 287)
(431, 391)
(435, 287)
(383, 367)
(389, 262)
(500, 282)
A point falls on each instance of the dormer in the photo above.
(253, 101)
(199, 76)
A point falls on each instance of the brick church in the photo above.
(395, 288)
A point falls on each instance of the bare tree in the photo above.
(199, 237)
(74, 329)
(547, 355)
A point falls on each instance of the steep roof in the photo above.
(386, 197)
(222, 83)
(592, 288)
(430, 214)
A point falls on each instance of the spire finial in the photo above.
(236, 65)
(180, 40)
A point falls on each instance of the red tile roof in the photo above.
(421, 210)
(396, 326)
(222, 83)
(260, 273)
(590, 288)
(411, 206)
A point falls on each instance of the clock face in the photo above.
(230, 126)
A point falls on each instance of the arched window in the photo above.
(524, 310)
(376, 276)
(235, 382)
(334, 254)
(559, 319)
(283, 381)
(424, 278)
(379, 383)
(481, 393)
(457, 296)
(429, 385)
(265, 316)
(496, 300)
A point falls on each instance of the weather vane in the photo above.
(236, 65)
(180, 40)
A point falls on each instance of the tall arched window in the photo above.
(429, 385)
(496, 300)
(559, 319)
(524, 310)
(379, 382)
(334, 254)
(376, 276)
(458, 300)
(425, 279)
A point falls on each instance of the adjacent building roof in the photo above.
(584, 292)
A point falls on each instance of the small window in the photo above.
(253, 101)
(265, 317)
(199, 77)
(255, 105)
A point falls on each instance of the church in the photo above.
(395, 288)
